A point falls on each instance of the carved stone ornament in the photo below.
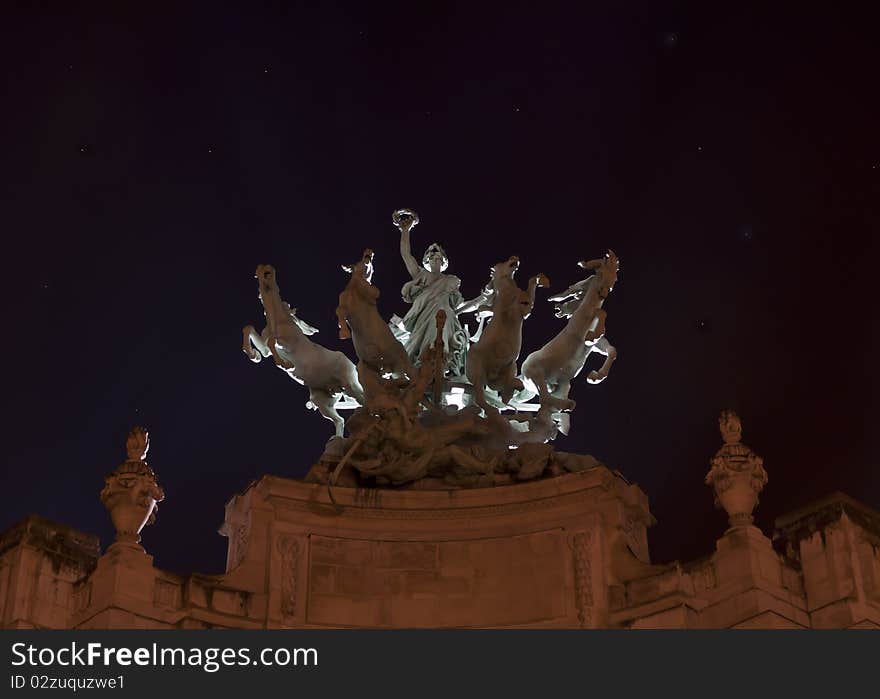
(131, 493)
(737, 475)
(581, 543)
(288, 547)
(431, 402)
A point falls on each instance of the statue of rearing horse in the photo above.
(326, 373)
(549, 371)
(376, 347)
(491, 362)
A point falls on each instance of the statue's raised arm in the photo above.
(406, 220)
(429, 291)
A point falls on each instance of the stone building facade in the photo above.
(569, 551)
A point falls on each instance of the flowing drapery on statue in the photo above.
(429, 291)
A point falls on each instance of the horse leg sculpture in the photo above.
(599, 329)
(475, 376)
(550, 399)
(603, 347)
(323, 402)
(560, 393)
(534, 282)
(351, 385)
(509, 383)
(252, 340)
(341, 319)
(279, 360)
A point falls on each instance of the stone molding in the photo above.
(289, 549)
(581, 544)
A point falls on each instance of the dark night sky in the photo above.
(153, 157)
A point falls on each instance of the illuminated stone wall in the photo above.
(569, 551)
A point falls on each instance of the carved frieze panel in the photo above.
(499, 581)
(289, 550)
(581, 545)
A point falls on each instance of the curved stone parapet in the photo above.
(531, 554)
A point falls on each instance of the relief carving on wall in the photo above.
(581, 543)
(288, 547)
(704, 578)
(633, 527)
(166, 594)
(239, 543)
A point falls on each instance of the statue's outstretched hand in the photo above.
(405, 219)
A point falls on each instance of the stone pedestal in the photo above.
(123, 580)
(754, 589)
(534, 554)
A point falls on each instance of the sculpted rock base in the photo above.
(457, 465)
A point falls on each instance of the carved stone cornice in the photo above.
(487, 511)
(65, 546)
(818, 515)
(598, 484)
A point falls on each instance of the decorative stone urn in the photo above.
(131, 492)
(737, 474)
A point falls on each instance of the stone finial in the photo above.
(137, 444)
(737, 474)
(730, 426)
(131, 493)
